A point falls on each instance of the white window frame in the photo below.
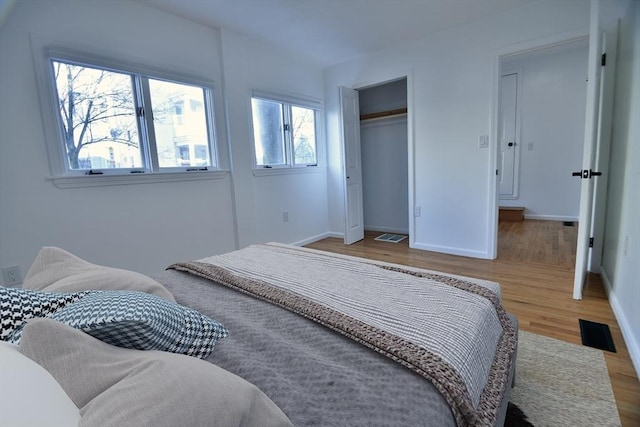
(289, 100)
(64, 177)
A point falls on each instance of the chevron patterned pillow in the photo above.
(18, 305)
(141, 321)
(129, 319)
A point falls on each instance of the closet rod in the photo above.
(383, 114)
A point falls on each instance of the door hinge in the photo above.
(140, 112)
(603, 61)
(590, 242)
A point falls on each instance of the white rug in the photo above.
(563, 384)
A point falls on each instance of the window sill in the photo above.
(78, 181)
(288, 171)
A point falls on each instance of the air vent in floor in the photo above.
(391, 238)
(596, 335)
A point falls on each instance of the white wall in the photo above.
(552, 134)
(143, 227)
(261, 200)
(452, 76)
(621, 252)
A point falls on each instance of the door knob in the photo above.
(586, 173)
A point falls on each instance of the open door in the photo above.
(603, 145)
(353, 203)
(593, 121)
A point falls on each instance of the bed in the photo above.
(318, 358)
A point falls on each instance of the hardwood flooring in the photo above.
(535, 268)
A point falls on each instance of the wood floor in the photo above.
(535, 269)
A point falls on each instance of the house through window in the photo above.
(115, 121)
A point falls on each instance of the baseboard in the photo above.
(450, 250)
(625, 327)
(386, 229)
(551, 217)
(317, 237)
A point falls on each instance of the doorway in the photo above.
(541, 132)
(384, 148)
(387, 154)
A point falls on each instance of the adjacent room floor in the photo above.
(535, 268)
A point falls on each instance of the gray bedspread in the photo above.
(316, 376)
(453, 332)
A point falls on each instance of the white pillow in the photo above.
(29, 395)
(117, 387)
(56, 270)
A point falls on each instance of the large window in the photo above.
(284, 133)
(115, 121)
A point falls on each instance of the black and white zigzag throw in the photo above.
(19, 305)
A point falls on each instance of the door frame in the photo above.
(376, 81)
(519, 48)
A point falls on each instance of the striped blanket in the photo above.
(451, 330)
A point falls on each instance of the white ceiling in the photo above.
(333, 31)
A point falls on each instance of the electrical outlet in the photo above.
(285, 216)
(11, 276)
(417, 211)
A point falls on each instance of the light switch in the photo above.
(483, 141)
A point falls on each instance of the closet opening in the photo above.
(384, 151)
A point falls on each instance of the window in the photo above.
(113, 120)
(284, 131)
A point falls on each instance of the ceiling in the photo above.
(329, 32)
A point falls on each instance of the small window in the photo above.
(98, 118)
(303, 134)
(115, 121)
(284, 133)
(177, 127)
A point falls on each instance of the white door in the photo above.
(353, 204)
(607, 77)
(592, 119)
(509, 147)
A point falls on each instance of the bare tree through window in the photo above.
(97, 109)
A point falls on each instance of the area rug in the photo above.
(562, 384)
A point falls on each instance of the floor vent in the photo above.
(391, 238)
(596, 335)
(567, 223)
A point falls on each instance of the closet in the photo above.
(383, 137)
